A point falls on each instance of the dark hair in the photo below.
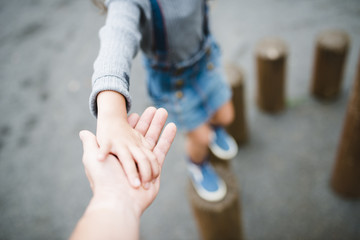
(100, 4)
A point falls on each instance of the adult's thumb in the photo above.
(88, 140)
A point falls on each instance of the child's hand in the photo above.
(130, 144)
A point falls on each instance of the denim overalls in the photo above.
(191, 91)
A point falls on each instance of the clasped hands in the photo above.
(108, 179)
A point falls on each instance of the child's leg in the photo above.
(204, 178)
(224, 115)
(197, 142)
(222, 144)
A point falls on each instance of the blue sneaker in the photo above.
(222, 144)
(206, 182)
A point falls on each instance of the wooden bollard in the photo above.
(218, 220)
(271, 54)
(329, 62)
(222, 220)
(346, 174)
(238, 128)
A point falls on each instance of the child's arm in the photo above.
(110, 98)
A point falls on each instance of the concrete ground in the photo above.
(47, 49)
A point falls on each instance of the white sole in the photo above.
(225, 155)
(212, 197)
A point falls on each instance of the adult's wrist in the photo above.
(105, 219)
(114, 204)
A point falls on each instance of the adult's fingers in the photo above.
(157, 124)
(133, 119)
(89, 142)
(145, 120)
(89, 178)
(90, 149)
(163, 145)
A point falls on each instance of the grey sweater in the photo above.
(129, 27)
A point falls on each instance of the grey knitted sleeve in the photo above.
(119, 43)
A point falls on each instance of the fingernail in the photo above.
(147, 185)
(137, 182)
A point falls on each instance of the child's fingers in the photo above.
(154, 163)
(129, 167)
(164, 143)
(145, 120)
(133, 119)
(143, 164)
(157, 124)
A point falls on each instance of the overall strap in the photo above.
(160, 45)
(206, 21)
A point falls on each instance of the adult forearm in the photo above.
(107, 220)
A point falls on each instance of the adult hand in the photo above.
(115, 209)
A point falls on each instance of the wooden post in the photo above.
(330, 54)
(346, 174)
(222, 220)
(271, 54)
(218, 220)
(238, 129)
